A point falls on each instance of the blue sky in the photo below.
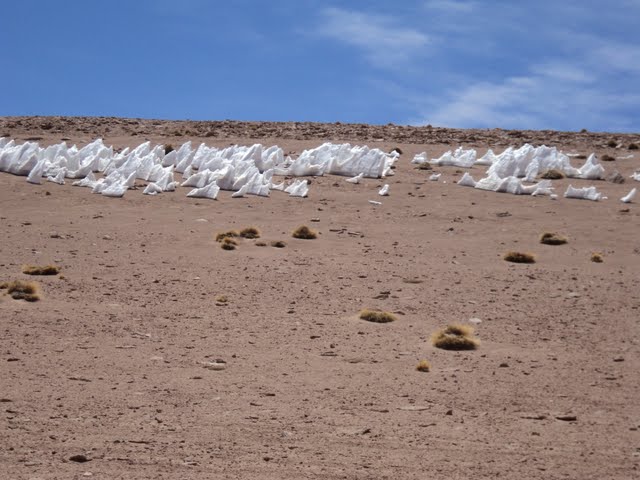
(562, 65)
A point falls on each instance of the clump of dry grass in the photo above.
(607, 158)
(168, 148)
(222, 299)
(549, 238)
(552, 174)
(21, 290)
(250, 233)
(304, 233)
(377, 316)
(261, 244)
(424, 166)
(423, 366)
(455, 337)
(228, 244)
(633, 146)
(519, 257)
(38, 270)
(597, 257)
(230, 234)
(612, 143)
(278, 244)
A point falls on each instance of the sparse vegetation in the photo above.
(607, 158)
(250, 232)
(633, 146)
(377, 316)
(423, 366)
(304, 233)
(278, 244)
(230, 234)
(519, 257)
(222, 299)
(597, 257)
(455, 337)
(38, 270)
(261, 244)
(228, 243)
(168, 148)
(549, 238)
(612, 143)
(21, 290)
(552, 174)
(424, 166)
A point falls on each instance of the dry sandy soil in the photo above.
(108, 363)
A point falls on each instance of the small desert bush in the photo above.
(549, 238)
(612, 143)
(552, 174)
(228, 244)
(21, 290)
(250, 232)
(377, 316)
(304, 233)
(37, 270)
(597, 257)
(607, 158)
(278, 244)
(230, 234)
(519, 257)
(168, 148)
(455, 337)
(423, 366)
(633, 146)
(222, 299)
(261, 244)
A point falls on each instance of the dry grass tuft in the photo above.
(222, 299)
(552, 174)
(549, 238)
(228, 244)
(168, 148)
(607, 158)
(278, 244)
(455, 337)
(597, 257)
(37, 270)
(230, 234)
(377, 316)
(21, 290)
(423, 366)
(612, 143)
(261, 244)
(250, 233)
(633, 146)
(424, 166)
(519, 257)
(304, 233)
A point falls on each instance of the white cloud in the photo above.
(383, 40)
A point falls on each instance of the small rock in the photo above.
(504, 365)
(449, 412)
(79, 458)
(567, 418)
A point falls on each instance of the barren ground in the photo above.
(107, 364)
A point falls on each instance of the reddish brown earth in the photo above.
(108, 363)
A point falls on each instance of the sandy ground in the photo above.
(108, 363)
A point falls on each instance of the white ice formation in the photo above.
(207, 170)
(384, 191)
(515, 170)
(586, 193)
(629, 196)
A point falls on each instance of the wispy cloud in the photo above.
(381, 38)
